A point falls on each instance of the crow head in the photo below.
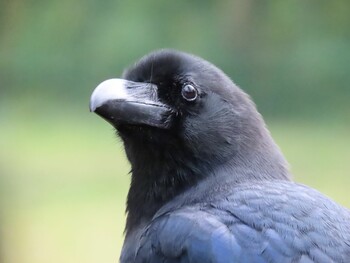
(182, 119)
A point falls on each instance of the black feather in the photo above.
(214, 187)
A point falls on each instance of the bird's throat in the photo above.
(157, 179)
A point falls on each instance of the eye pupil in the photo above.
(189, 92)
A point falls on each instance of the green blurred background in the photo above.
(63, 174)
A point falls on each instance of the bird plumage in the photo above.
(208, 183)
(265, 222)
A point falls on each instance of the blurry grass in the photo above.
(65, 179)
(65, 182)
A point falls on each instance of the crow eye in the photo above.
(189, 92)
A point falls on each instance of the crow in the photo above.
(208, 183)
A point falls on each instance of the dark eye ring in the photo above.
(189, 92)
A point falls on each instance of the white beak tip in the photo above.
(110, 89)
